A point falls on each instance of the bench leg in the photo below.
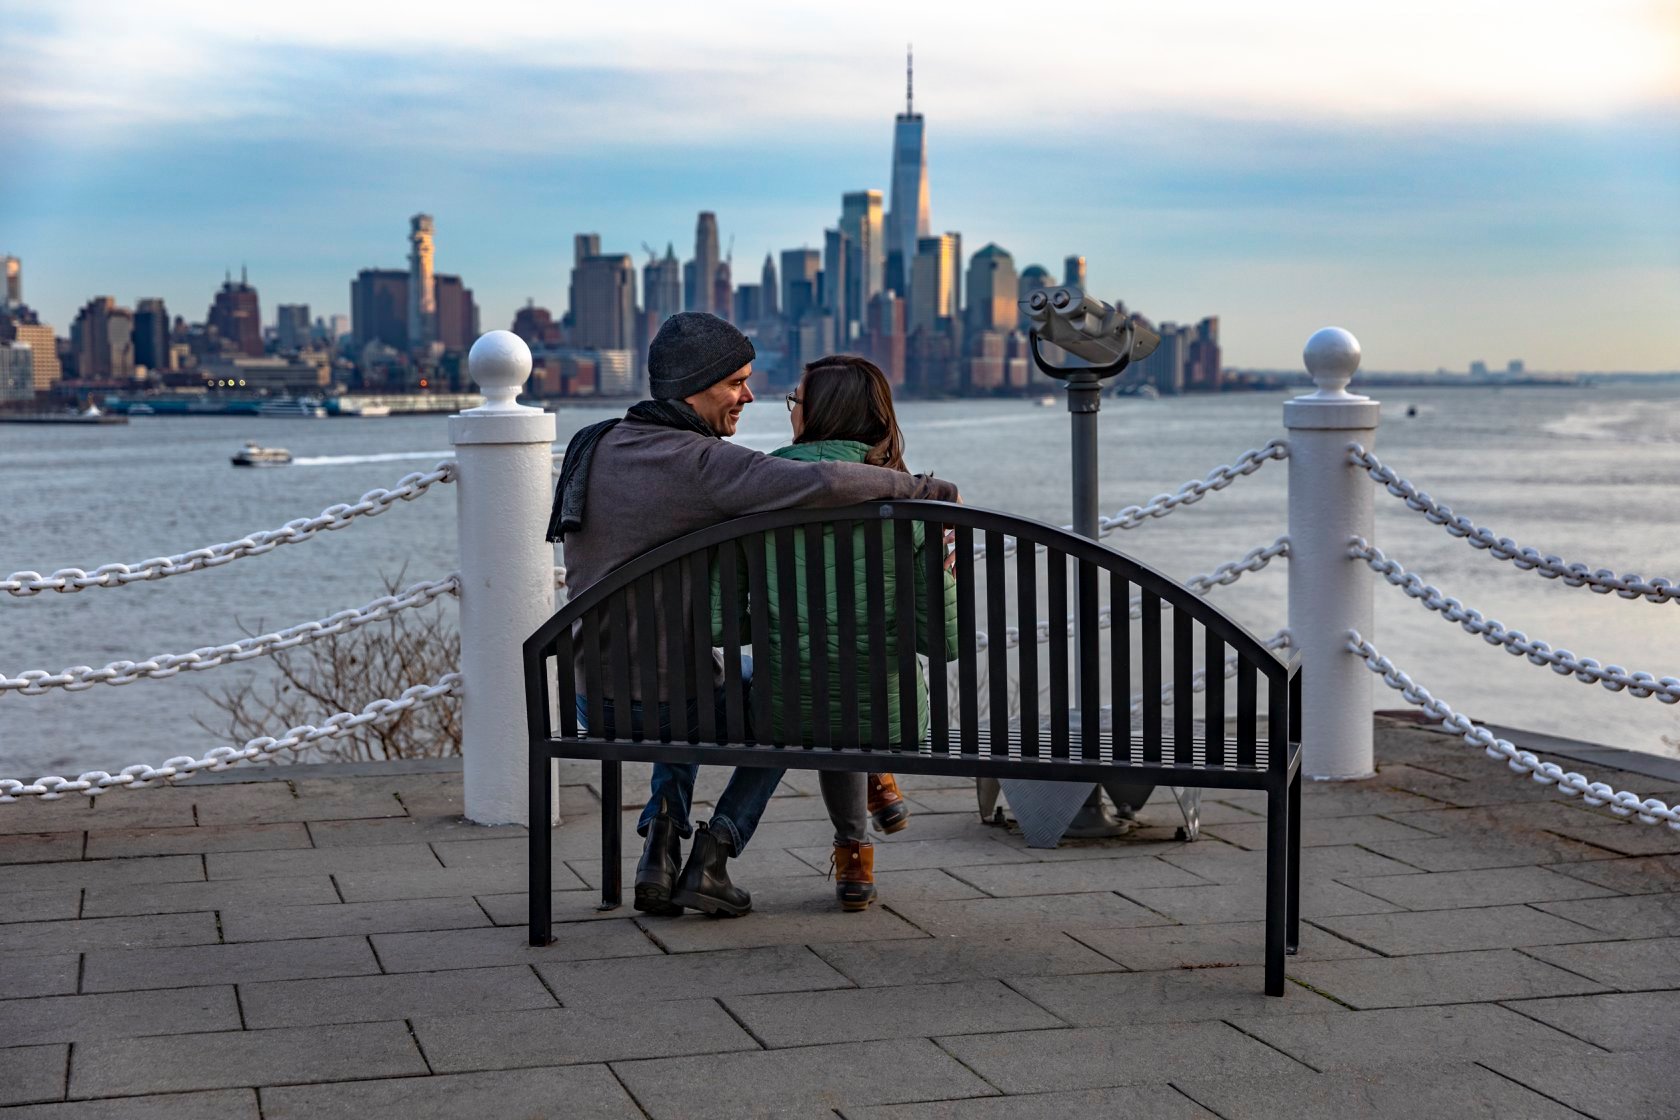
(1277, 886)
(1293, 941)
(540, 849)
(612, 796)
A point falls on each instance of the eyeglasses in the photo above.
(793, 399)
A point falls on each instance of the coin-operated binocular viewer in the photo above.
(1107, 341)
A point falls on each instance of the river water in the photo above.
(1587, 474)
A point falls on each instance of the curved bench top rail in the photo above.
(1024, 529)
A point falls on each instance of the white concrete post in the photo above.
(502, 497)
(1330, 502)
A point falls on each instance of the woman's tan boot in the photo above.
(886, 805)
(854, 874)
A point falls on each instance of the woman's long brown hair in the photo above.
(848, 397)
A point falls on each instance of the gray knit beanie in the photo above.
(692, 352)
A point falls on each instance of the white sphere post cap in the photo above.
(1332, 357)
(499, 362)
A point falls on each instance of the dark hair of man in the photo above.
(848, 397)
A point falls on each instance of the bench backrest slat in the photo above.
(1150, 651)
(816, 612)
(728, 560)
(1089, 643)
(1120, 664)
(1055, 571)
(1213, 703)
(758, 610)
(997, 648)
(1248, 711)
(968, 672)
(672, 641)
(1026, 653)
(875, 598)
(908, 672)
(787, 609)
(939, 704)
(1184, 686)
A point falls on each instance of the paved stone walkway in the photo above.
(325, 946)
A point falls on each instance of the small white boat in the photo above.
(292, 406)
(141, 410)
(1047, 401)
(255, 455)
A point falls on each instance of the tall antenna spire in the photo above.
(909, 81)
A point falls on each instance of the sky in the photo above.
(1451, 181)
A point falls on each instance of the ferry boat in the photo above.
(255, 455)
(292, 406)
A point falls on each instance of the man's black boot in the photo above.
(656, 874)
(704, 884)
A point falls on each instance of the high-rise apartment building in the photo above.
(291, 327)
(700, 274)
(933, 283)
(379, 308)
(151, 336)
(862, 223)
(13, 294)
(103, 341)
(604, 314)
(908, 220)
(236, 316)
(799, 282)
(42, 343)
(457, 314)
(662, 286)
(1073, 272)
(422, 296)
(993, 291)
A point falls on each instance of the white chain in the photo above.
(1562, 662)
(255, 750)
(1602, 580)
(74, 679)
(1223, 576)
(1620, 802)
(1131, 517)
(372, 503)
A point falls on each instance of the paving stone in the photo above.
(912, 854)
(982, 917)
(32, 1073)
(791, 805)
(442, 882)
(1458, 1092)
(1450, 931)
(1650, 915)
(1452, 853)
(368, 999)
(67, 814)
(1629, 965)
(759, 863)
(1235, 902)
(40, 847)
(1324, 800)
(1624, 1021)
(280, 923)
(118, 1015)
(108, 933)
(1017, 879)
(405, 830)
(494, 945)
(87, 873)
(261, 802)
(801, 1081)
(1410, 1036)
(106, 843)
(772, 968)
(219, 1104)
(1134, 1102)
(1472, 977)
(1604, 1086)
(1628, 839)
(394, 858)
(1141, 844)
(1448, 889)
(907, 1011)
(943, 960)
(1172, 996)
(1320, 831)
(43, 974)
(816, 919)
(161, 807)
(1223, 863)
(570, 1035)
(135, 969)
(1216, 945)
(276, 1057)
(558, 1093)
(55, 903)
(1097, 1057)
(167, 898)
(567, 906)
(1636, 875)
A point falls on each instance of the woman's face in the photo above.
(796, 414)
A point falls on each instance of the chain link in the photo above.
(1602, 580)
(261, 749)
(1571, 784)
(371, 504)
(38, 681)
(1562, 662)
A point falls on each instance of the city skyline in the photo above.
(1457, 207)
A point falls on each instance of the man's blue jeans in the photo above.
(739, 808)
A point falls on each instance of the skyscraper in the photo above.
(604, 314)
(799, 282)
(908, 222)
(700, 275)
(291, 327)
(992, 291)
(151, 335)
(1073, 272)
(770, 288)
(457, 314)
(662, 286)
(14, 284)
(237, 317)
(103, 340)
(933, 283)
(422, 297)
(835, 284)
(723, 288)
(379, 308)
(861, 221)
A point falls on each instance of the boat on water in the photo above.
(1047, 401)
(369, 409)
(255, 455)
(141, 410)
(292, 406)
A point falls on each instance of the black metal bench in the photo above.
(1067, 741)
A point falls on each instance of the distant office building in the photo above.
(422, 296)
(536, 326)
(27, 330)
(662, 286)
(236, 316)
(933, 283)
(908, 222)
(1204, 372)
(749, 305)
(17, 370)
(1033, 277)
(604, 314)
(102, 339)
(457, 314)
(799, 282)
(993, 291)
(291, 327)
(770, 287)
(1478, 369)
(931, 359)
(1164, 369)
(307, 372)
(959, 294)
(700, 274)
(13, 295)
(615, 371)
(836, 253)
(723, 289)
(1514, 367)
(151, 336)
(864, 227)
(987, 362)
(379, 308)
(1073, 272)
(585, 245)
